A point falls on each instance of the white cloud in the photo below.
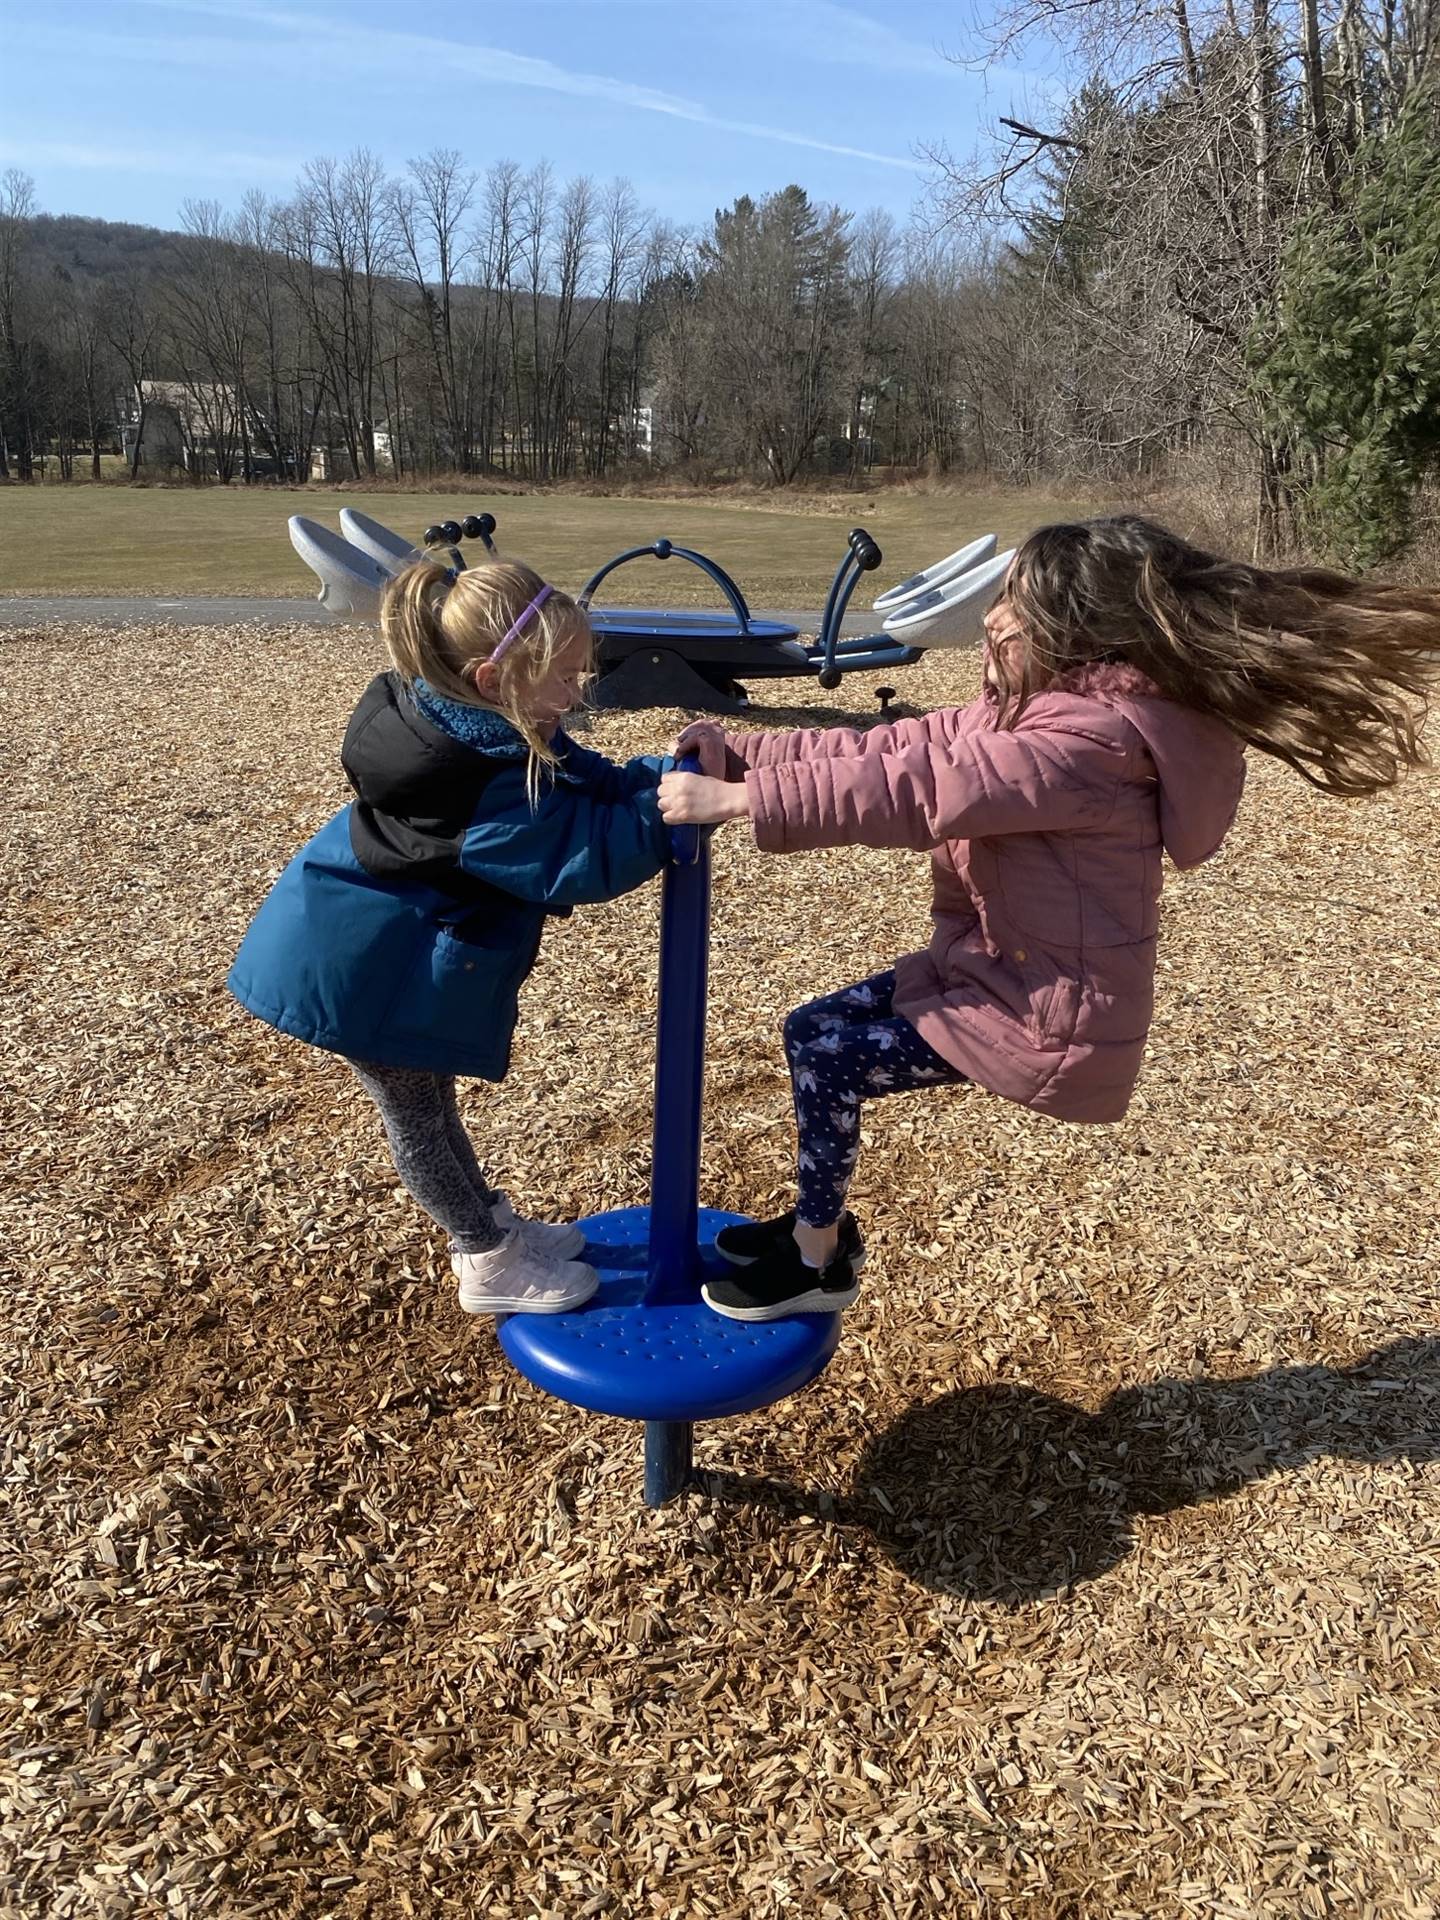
(388, 53)
(200, 162)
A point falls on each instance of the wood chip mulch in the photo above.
(1099, 1575)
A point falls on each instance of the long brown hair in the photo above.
(1331, 675)
(439, 629)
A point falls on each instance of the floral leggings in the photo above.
(850, 1046)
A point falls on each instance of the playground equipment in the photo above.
(719, 651)
(952, 612)
(941, 607)
(646, 1346)
(391, 550)
(351, 581)
(927, 581)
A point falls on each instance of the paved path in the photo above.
(85, 610)
(82, 610)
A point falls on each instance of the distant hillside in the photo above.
(83, 248)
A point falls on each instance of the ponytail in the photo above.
(411, 622)
(439, 626)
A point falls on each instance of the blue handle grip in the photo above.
(685, 841)
(667, 550)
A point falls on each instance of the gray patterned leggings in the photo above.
(432, 1151)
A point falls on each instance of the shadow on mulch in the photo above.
(757, 717)
(1002, 1493)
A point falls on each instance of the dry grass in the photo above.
(781, 548)
(1096, 1577)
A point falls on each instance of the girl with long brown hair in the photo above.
(1126, 672)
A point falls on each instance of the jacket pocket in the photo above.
(1053, 1000)
(466, 982)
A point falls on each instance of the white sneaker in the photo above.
(514, 1278)
(556, 1242)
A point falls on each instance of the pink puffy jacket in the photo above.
(1045, 843)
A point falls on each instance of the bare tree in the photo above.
(133, 330)
(671, 330)
(287, 390)
(342, 242)
(17, 347)
(431, 209)
(874, 257)
(574, 242)
(212, 334)
(497, 253)
(536, 202)
(623, 234)
(88, 352)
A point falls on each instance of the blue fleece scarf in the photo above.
(479, 728)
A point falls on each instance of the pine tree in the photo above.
(1350, 362)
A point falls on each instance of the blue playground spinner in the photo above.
(646, 1346)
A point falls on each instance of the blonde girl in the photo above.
(400, 935)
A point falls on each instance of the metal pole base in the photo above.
(669, 1460)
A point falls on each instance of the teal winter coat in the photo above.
(402, 932)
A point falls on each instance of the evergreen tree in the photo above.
(1350, 362)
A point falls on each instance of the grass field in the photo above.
(217, 540)
(1098, 1578)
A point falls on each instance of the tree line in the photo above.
(507, 322)
(1229, 239)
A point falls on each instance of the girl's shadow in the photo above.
(1002, 1493)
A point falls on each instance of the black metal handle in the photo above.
(862, 556)
(667, 550)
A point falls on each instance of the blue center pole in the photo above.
(646, 1347)
(674, 1269)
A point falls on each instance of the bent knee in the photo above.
(798, 1030)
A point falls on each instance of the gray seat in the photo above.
(351, 582)
(931, 578)
(391, 550)
(952, 614)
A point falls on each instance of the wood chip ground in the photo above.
(1099, 1575)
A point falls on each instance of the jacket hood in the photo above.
(401, 758)
(1199, 762)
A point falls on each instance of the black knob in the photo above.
(433, 536)
(450, 530)
(470, 526)
(867, 554)
(884, 695)
(662, 549)
(830, 679)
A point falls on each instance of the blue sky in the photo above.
(126, 108)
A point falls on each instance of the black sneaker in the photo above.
(743, 1245)
(779, 1284)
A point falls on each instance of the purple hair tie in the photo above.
(513, 634)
